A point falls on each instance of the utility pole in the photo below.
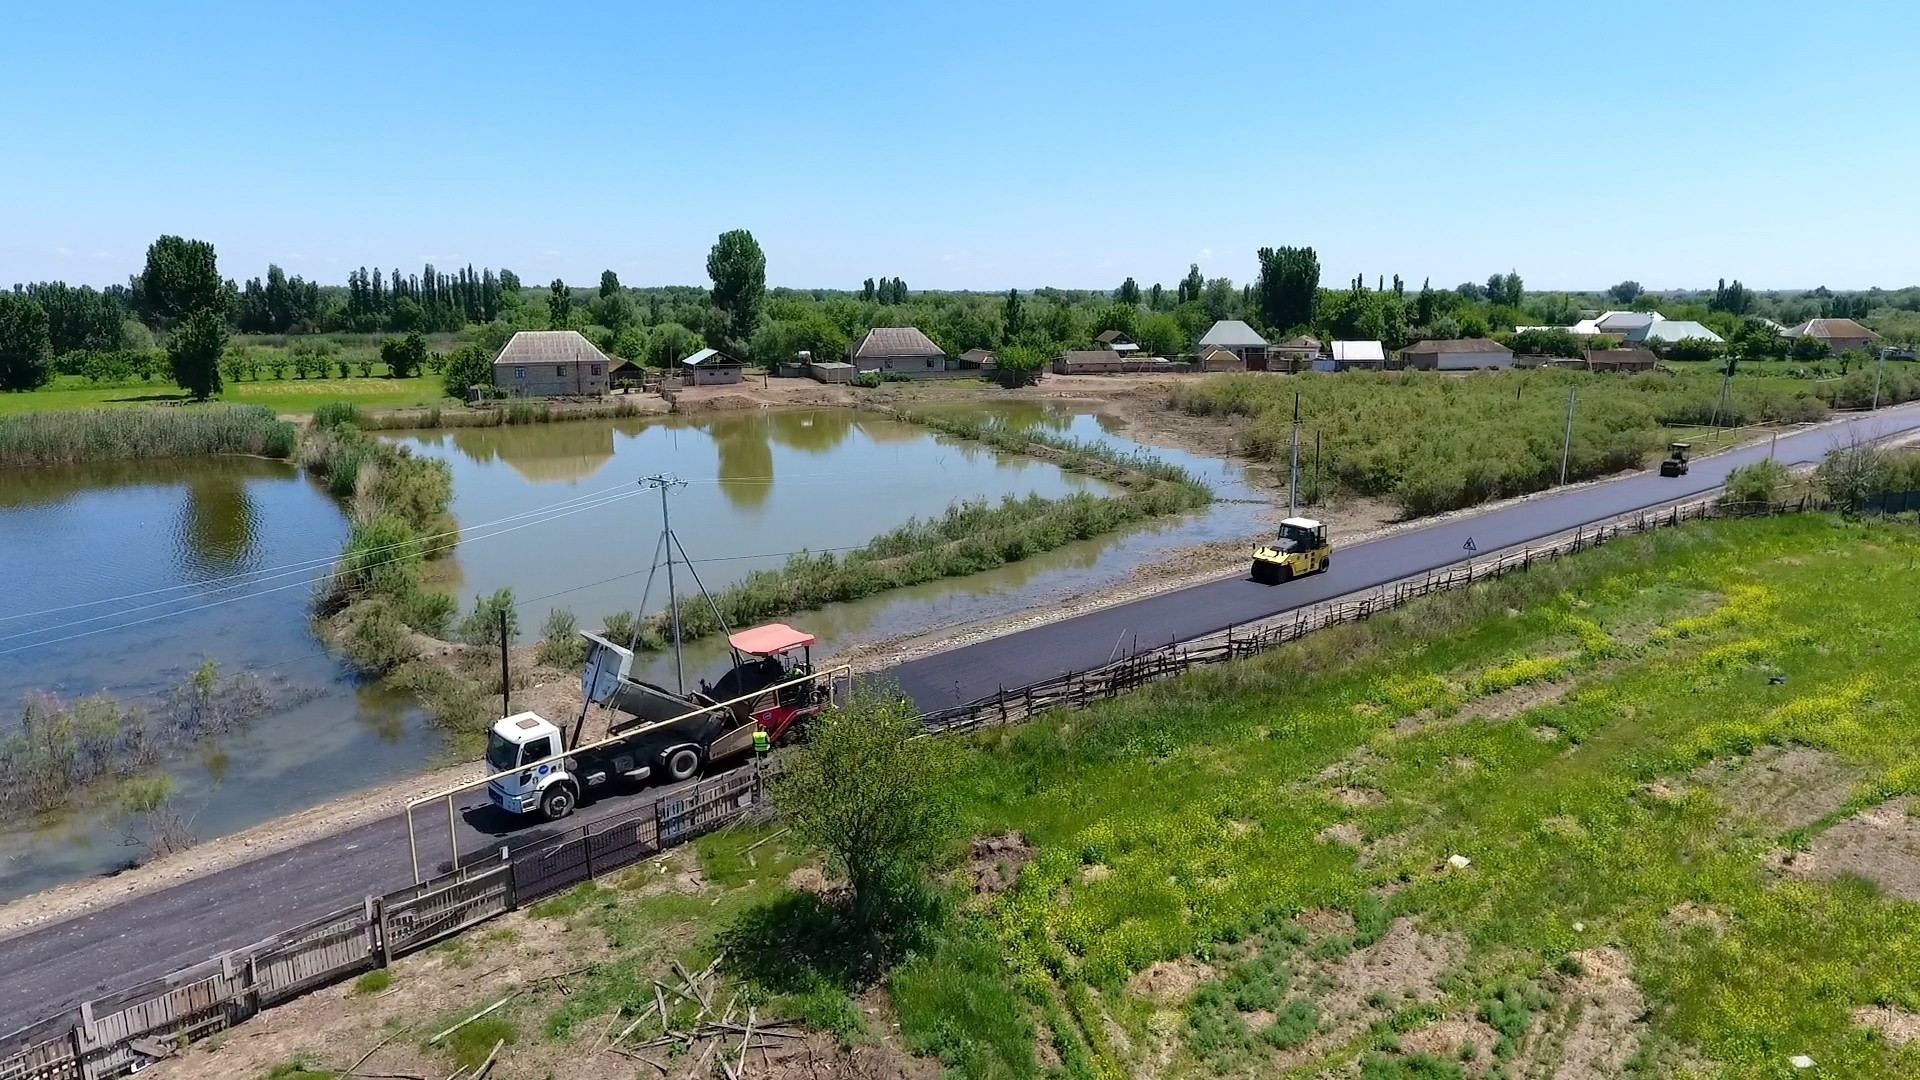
(1293, 481)
(1566, 442)
(506, 683)
(666, 483)
(1879, 362)
(1317, 491)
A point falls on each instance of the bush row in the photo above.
(60, 438)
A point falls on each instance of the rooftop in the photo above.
(1230, 334)
(1830, 328)
(1359, 350)
(895, 341)
(1458, 345)
(709, 357)
(1670, 330)
(549, 347)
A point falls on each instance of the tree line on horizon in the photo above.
(180, 299)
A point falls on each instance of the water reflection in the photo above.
(542, 453)
(217, 523)
(746, 464)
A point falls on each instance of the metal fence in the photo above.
(119, 1033)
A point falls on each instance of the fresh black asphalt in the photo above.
(55, 967)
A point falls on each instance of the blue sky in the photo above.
(975, 145)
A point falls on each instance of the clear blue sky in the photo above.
(974, 145)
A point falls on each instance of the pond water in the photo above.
(763, 485)
(124, 577)
(202, 540)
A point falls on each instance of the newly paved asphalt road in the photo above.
(52, 968)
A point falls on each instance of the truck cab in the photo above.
(530, 743)
(1300, 547)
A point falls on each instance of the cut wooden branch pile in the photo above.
(717, 1036)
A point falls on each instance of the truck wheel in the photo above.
(1285, 575)
(1326, 564)
(1262, 574)
(683, 763)
(557, 803)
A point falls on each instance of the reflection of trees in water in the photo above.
(746, 462)
(542, 453)
(217, 521)
(808, 432)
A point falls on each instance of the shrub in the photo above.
(52, 438)
(468, 366)
(1761, 483)
(560, 643)
(329, 414)
(867, 380)
(482, 624)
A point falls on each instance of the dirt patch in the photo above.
(1095, 872)
(808, 879)
(1899, 1026)
(1355, 797)
(1593, 1027)
(1445, 1039)
(1169, 981)
(1508, 704)
(1881, 844)
(1783, 787)
(1687, 914)
(1345, 834)
(1364, 985)
(994, 862)
(1325, 922)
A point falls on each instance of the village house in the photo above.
(897, 350)
(1106, 362)
(1620, 324)
(1294, 354)
(710, 367)
(1839, 335)
(1669, 331)
(1215, 358)
(1238, 338)
(1115, 341)
(977, 358)
(1459, 354)
(550, 363)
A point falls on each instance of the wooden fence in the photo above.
(117, 1034)
(1079, 689)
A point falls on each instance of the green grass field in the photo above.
(1626, 746)
(286, 396)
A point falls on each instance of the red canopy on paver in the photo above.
(770, 639)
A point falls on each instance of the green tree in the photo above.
(609, 284)
(1013, 317)
(404, 357)
(1807, 348)
(738, 269)
(1626, 292)
(868, 291)
(1288, 291)
(1505, 289)
(1427, 305)
(559, 305)
(1153, 297)
(1193, 285)
(1128, 292)
(181, 277)
(868, 793)
(669, 343)
(1122, 317)
(194, 350)
(1734, 299)
(26, 344)
(1219, 298)
(1162, 335)
(470, 365)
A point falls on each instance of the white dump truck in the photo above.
(657, 734)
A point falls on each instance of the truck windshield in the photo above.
(501, 754)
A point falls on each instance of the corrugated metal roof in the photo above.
(1350, 351)
(549, 347)
(709, 357)
(1108, 337)
(895, 341)
(1670, 330)
(1830, 328)
(1230, 334)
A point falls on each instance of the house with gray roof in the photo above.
(1668, 331)
(897, 350)
(1238, 338)
(551, 363)
(1457, 354)
(1623, 323)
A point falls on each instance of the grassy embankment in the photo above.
(284, 396)
(1433, 444)
(970, 537)
(1659, 757)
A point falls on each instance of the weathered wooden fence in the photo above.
(114, 1035)
(1079, 689)
(119, 1033)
